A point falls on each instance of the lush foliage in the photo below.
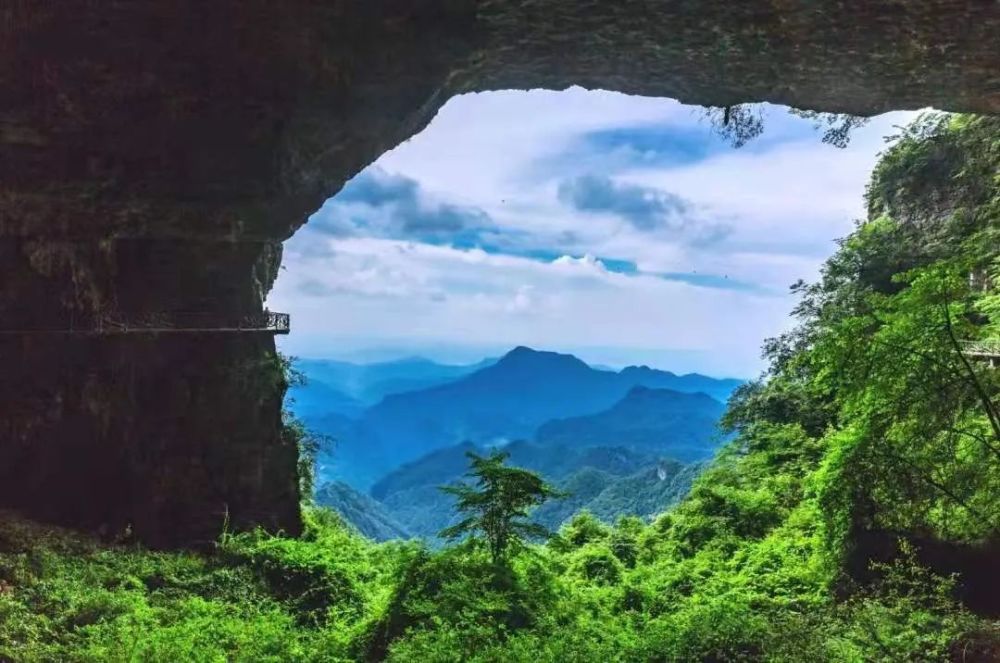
(854, 516)
(496, 507)
(257, 598)
(297, 434)
(629, 482)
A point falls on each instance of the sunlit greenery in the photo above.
(496, 507)
(848, 520)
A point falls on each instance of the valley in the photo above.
(617, 443)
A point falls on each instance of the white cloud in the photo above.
(782, 202)
(416, 293)
(584, 264)
(522, 300)
(482, 140)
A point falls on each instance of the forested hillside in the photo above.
(854, 516)
(682, 426)
(607, 481)
(360, 511)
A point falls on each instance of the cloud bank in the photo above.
(617, 227)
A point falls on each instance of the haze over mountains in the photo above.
(488, 403)
(340, 387)
(401, 429)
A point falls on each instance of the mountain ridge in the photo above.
(506, 399)
(676, 424)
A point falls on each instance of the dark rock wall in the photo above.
(165, 432)
(154, 154)
(855, 56)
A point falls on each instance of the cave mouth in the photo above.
(624, 230)
(155, 158)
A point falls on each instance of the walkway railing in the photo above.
(989, 348)
(113, 323)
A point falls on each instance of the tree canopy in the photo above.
(497, 506)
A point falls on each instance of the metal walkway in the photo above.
(112, 324)
(989, 349)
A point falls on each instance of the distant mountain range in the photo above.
(665, 421)
(339, 387)
(505, 400)
(621, 441)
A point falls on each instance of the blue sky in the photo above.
(618, 228)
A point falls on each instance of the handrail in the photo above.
(113, 323)
(981, 348)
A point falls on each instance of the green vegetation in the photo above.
(296, 433)
(854, 516)
(629, 482)
(497, 506)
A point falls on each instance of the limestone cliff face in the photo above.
(166, 435)
(166, 432)
(154, 154)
